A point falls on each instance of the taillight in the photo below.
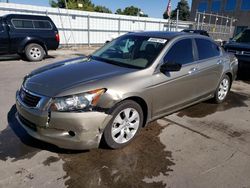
(57, 37)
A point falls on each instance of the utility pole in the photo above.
(66, 5)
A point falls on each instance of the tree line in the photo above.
(87, 5)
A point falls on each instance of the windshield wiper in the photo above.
(117, 63)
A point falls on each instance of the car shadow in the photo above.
(243, 74)
(16, 57)
(16, 143)
(13, 57)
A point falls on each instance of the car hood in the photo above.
(53, 79)
(238, 46)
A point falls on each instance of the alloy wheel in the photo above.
(125, 125)
(223, 89)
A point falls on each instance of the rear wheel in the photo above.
(222, 90)
(34, 52)
(125, 124)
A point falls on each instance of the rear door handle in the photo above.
(192, 70)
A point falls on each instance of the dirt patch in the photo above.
(50, 160)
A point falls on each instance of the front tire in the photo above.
(123, 127)
(34, 52)
(222, 90)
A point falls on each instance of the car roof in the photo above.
(159, 34)
(195, 30)
(25, 16)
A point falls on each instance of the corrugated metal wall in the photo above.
(82, 27)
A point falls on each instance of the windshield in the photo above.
(243, 37)
(131, 51)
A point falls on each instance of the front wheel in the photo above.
(222, 90)
(125, 124)
(34, 52)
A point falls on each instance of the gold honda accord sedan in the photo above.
(113, 93)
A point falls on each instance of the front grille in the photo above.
(231, 51)
(27, 123)
(239, 52)
(29, 99)
(246, 53)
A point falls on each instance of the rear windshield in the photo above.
(31, 24)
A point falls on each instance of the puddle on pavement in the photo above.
(127, 167)
(207, 108)
(144, 157)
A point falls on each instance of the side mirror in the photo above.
(170, 67)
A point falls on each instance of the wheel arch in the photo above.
(143, 105)
(28, 41)
(230, 75)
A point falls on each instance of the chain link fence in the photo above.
(219, 27)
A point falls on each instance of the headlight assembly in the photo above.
(76, 102)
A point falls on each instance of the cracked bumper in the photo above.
(87, 127)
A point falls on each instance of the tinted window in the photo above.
(245, 5)
(230, 5)
(243, 37)
(207, 49)
(202, 7)
(216, 4)
(42, 24)
(22, 24)
(181, 52)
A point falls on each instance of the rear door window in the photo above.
(207, 49)
(42, 24)
(181, 52)
(22, 24)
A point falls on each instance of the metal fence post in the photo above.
(119, 26)
(88, 30)
(198, 24)
(177, 20)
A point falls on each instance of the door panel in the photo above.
(210, 66)
(173, 89)
(209, 75)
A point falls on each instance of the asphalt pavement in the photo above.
(205, 145)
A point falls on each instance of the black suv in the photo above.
(240, 47)
(28, 35)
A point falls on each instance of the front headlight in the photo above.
(76, 102)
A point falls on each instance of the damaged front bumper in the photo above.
(69, 130)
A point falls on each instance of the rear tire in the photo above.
(34, 52)
(123, 127)
(222, 90)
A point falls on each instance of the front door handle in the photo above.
(192, 70)
(219, 62)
